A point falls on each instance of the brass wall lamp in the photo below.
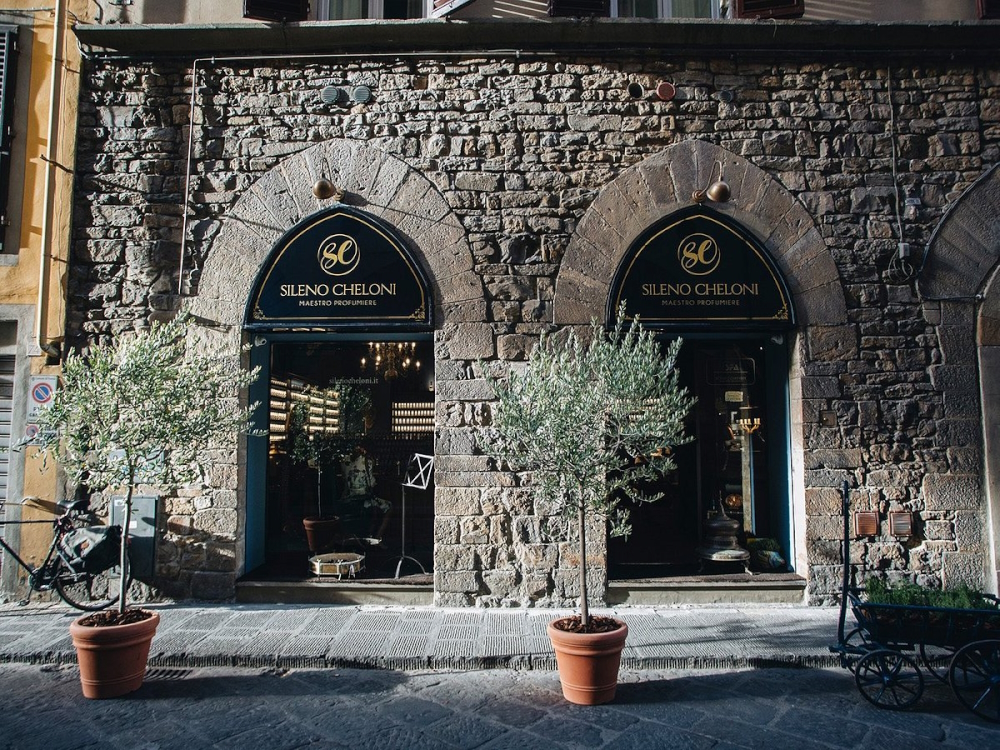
(324, 190)
(717, 192)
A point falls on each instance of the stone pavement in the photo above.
(42, 708)
(407, 638)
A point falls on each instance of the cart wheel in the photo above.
(937, 659)
(889, 679)
(975, 677)
(856, 644)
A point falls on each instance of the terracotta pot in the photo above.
(588, 663)
(320, 532)
(112, 659)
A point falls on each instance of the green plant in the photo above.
(318, 447)
(142, 409)
(592, 423)
(878, 591)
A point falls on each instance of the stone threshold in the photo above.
(784, 588)
(334, 592)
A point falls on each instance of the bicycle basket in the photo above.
(92, 549)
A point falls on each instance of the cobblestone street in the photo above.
(41, 707)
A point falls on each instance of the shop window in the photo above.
(279, 11)
(346, 10)
(8, 80)
(769, 8)
(636, 8)
(345, 418)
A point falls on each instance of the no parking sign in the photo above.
(41, 392)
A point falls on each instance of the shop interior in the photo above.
(349, 489)
(722, 512)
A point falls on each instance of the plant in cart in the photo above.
(589, 426)
(141, 410)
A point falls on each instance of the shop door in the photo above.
(345, 417)
(737, 464)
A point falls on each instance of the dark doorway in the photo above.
(354, 481)
(737, 464)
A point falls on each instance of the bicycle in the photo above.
(74, 579)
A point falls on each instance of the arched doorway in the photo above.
(385, 187)
(697, 274)
(341, 317)
(664, 183)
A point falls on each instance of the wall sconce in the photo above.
(324, 190)
(717, 192)
(748, 420)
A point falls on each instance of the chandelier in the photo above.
(391, 358)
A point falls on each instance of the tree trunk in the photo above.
(123, 558)
(584, 608)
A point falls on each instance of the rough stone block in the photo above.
(952, 492)
(212, 585)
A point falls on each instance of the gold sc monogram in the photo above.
(698, 254)
(339, 255)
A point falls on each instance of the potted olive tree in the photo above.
(140, 410)
(591, 424)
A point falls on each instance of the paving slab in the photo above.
(408, 637)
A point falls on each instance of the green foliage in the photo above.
(877, 591)
(142, 409)
(593, 422)
(322, 448)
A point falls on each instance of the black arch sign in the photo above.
(697, 268)
(339, 267)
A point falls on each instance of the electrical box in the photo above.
(142, 532)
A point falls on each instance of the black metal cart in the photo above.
(960, 647)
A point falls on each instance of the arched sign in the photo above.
(339, 267)
(698, 268)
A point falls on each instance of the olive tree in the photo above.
(591, 423)
(143, 409)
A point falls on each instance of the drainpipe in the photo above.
(46, 249)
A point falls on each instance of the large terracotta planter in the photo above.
(112, 659)
(588, 663)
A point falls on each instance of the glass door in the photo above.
(736, 468)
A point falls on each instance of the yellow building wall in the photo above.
(43, 219)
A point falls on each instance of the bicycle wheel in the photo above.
(90, 592)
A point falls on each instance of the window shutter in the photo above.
(282, 11)
(579, 8)
(770, 8)
(8, 82)
(989, 9)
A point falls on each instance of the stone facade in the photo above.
(519, 181)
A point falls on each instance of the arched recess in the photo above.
(373, 181)
(663, 184)
(959, 274)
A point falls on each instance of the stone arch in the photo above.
(373, 181)
(959, 274)
(664, 183)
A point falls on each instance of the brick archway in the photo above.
(664, 183)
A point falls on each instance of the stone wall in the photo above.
(519, 150)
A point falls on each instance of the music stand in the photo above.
(418, 476)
